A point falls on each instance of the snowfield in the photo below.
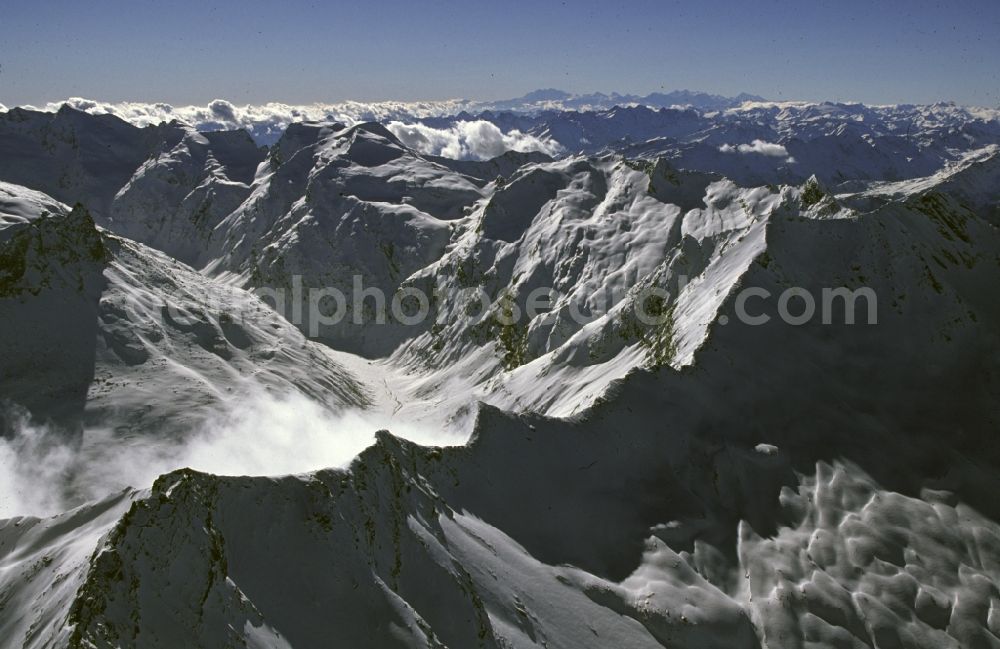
(195, 454)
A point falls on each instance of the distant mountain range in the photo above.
(749, 140)
(746, 137)
(552, 99)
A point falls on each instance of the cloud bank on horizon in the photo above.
(467, 139)
(467, 129)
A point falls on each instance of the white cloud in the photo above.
(223, 110)
(41, 473)
(477, 140)
(757, 146)
(32, 466)
(265, 122)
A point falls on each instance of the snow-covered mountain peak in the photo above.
(20, 205)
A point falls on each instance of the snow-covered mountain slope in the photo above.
(98, 329)
(348, 205)
(762, 142)
(698, 480)
(970, 181)
(178, 196)
(71, 155)
(794, 486)
(354, 209)
(76, 157)
(44, 565)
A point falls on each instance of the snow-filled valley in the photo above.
(197, 453)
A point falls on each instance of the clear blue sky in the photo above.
(297, 52)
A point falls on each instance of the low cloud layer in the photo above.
(43, 473)
(476, 140)
(264, 122)
(757, 146)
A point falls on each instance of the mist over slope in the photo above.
(576, 476)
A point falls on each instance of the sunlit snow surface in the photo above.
(565, 483)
